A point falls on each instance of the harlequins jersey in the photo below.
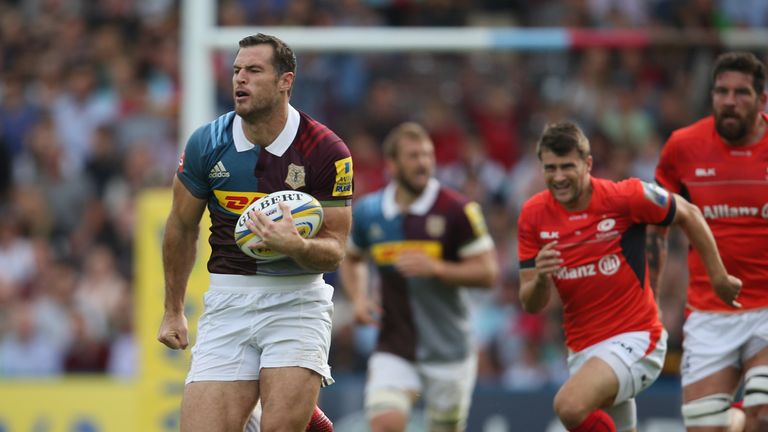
(423, 318)
(603, 281)
(220, 165)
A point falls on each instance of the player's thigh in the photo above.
(217, 406)
(288, 397)
(712, 345)
(756, 387)
(635, 358)
(294, 329)
(593, 385)
(448, 391)
(391, 388)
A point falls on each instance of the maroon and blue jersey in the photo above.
(220, 165)
(423, 319)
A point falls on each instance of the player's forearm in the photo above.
(353, 273)
(320, 254)
(656, 255)
(700, 236)
(481, 272)
(179, 250)
(535, 292)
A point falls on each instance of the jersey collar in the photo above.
(279, 145)
(420, 207)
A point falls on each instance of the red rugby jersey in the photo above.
(730, 186)
(603, 281)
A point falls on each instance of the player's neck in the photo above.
(263, 128)
(405, 197)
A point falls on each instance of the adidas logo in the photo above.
(218, 171)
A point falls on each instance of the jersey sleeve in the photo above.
(527, 241)
(333, 174)
(193, 166)
(649, 203)
(666, 171)
(474, 230)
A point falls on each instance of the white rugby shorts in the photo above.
(626, 354)
(715, 341)
(254, 322)
(443, 386)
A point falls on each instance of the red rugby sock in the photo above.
(596, 421)
(319, 422)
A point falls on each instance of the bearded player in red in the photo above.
(585, 238)
(720, 164)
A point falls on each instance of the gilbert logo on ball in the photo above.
(307, 216)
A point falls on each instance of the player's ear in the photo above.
(588, 161)
(286, 81)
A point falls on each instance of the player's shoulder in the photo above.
(447, 196)
(615, 191)
(370, 203)
(696, 132)
(370, 200)
(535, 206)
(313, 134)
(215, 134)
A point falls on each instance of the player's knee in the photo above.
(570, 408)
(712, 410)
(388, 400)
(756, 387)
(450, 420)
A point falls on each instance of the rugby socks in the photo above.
(596, 421)
(319, 422)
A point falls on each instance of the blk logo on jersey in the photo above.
(549, 235)
(705, 172)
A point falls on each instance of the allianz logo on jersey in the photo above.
(608, 265)
(720, 211)
(705, 172)
(218, 171)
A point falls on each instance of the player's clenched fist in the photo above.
(173, 331)
(728, 289)
(548, 260)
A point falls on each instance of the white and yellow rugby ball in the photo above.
(307, 216)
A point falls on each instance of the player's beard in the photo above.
(735, 133)
(409, 186)
(573, 192)
(258, 108)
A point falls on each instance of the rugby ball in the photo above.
(307, 216)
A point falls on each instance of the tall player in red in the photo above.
(720, 164)
(585, 237)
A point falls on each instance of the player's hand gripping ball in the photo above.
(307, 216)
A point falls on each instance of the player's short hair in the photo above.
(284, 59)
(562, 138)
(408, 130)
(744, 62)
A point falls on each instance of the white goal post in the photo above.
(201, 36)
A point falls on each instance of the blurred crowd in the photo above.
(89, 104)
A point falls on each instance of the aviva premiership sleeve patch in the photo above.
(656, 194)
(475, 215)
(343, 184)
